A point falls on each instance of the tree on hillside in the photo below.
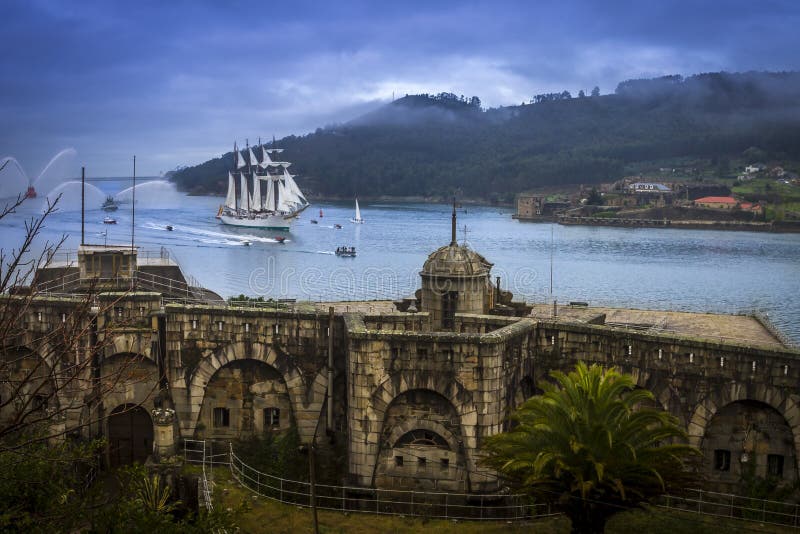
(592, 442)
(596, 91)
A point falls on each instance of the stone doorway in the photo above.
(130, 435)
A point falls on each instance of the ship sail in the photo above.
(253, 158)
(357, 219)
(294, 189)
(269, 202)
(285, 202)
(265, 159)
(244, 196)
(255, 203)
(230, 199)
(240, 160)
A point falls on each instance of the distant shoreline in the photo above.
(741, 226)
(387, 198)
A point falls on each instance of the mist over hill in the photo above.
(437, 145)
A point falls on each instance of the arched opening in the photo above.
(242, 399)
(748, 439)
(421, 444)
(130, 435)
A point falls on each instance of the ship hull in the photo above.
(271, 222)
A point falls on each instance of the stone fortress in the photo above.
(411, 393)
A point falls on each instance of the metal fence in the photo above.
(734, 506)
(460, 506)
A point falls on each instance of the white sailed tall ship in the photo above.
(261, 194)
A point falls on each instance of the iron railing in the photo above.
(463, 506)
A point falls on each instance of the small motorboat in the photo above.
(346, 252)
(337, 226)
(280, 239)
(314, 221)
(169, 228)
(109, 220)
(246, 243)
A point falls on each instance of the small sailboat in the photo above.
(357, 219)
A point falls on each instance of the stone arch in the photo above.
(128, 378)
(421, 444)
(743, 438)
(447, 387)
(307, 399)
(244, 398)
(137, 343)
(787, 405)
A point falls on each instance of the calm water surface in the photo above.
(641, 268)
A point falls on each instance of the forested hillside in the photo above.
(431, 145)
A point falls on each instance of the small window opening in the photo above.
(775, 465)
(222, 417)
(722, 460)
(272, 417)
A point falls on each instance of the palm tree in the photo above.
(592, 442)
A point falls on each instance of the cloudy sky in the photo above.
(177, 82)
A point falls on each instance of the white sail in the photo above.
(244, 198)
(253, 158)
(284, 198)
(241, 162)
(230, 199)
(255, 204)
(269, 201)
(293, 188)
(265, 159)
(357, 219)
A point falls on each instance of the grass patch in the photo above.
(264, 515)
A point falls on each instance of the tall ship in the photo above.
(261, 192)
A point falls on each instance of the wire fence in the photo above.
(735, 507)
(457, 506)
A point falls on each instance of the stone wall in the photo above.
(399, 389)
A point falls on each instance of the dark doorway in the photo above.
(449, 305)
(130, 435)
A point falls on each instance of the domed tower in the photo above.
(455, 279)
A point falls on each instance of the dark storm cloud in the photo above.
(177, 82)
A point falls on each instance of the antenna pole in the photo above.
(551, 259)
(133, 203)
(83, 197)
(453, 241)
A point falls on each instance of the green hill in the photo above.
(435, 145)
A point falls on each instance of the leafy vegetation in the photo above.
(425, 145)
(592, 442)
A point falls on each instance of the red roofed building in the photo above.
(716, 202)
(727, 203)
